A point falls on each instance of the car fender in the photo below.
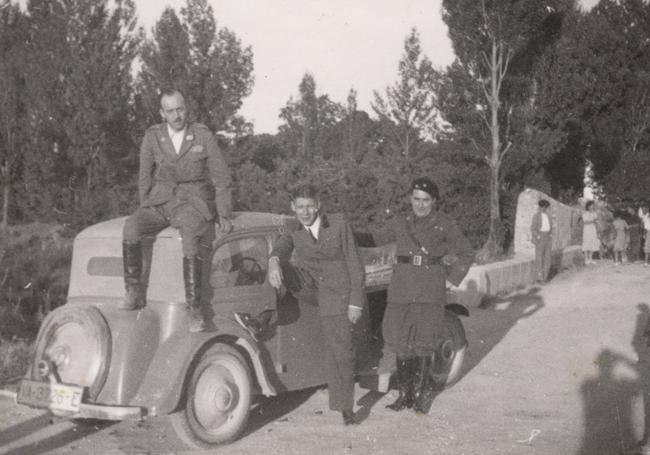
(162, 390)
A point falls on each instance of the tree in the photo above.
(408, 109)
(489, 88)
(13, 33)
(308, 121)
(79, 86)
(209, 65)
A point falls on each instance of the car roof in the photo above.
(240, 220)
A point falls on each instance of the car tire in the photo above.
(448, 360)
(60, 324)
(218, 399)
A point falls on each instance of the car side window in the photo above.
(241, 262)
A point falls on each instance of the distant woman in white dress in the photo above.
(590, 240)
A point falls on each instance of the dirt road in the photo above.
(553, 370)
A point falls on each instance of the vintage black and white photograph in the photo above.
(356, 227)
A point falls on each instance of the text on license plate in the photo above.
(50, 395)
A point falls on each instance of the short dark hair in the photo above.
(543, 203)
(169, 91)
(588, 205)
(305, 190)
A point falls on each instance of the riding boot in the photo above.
(404, 376)
(421, 383)
(192, 277)
(132, 260)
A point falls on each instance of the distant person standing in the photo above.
(622, 238)
(590, 240)
(634, 230)
(540, 234)
(645, 220)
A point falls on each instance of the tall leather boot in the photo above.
(421, 383)
(132, 259)
(404, 376)
(192, 277)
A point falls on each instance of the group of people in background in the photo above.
(622, 233)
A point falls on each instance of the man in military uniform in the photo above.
(326, 253)
(184, 182)
(430, 250)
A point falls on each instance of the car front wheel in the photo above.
(218, 399)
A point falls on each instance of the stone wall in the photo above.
(506, 276)
(565, 221)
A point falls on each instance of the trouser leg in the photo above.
(546, 257)
(144, 221)
(339, 357)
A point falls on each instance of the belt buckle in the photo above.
(417, 259)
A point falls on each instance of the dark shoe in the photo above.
(248, 322)
(192, 277)
(132, 260)
(404, 377)
(348, 418)
(421, 383)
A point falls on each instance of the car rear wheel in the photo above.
(218, 399)
(448, 360)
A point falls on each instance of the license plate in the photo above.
(60, 397)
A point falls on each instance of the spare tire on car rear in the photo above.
(75, 343)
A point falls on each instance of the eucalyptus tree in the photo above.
(488, 94)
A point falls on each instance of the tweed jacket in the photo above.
(198, 174)
(333, 261)
(536, 226)
(440, 236)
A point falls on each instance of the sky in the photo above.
(343, 43)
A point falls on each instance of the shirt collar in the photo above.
(172, 132)
(315, 226)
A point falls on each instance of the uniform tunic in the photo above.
(414, 318)
(185, 190)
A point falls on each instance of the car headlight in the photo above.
(73, 347)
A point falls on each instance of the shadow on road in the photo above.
(491, 322)
(10, 437)
(269, 409)
(616, 402)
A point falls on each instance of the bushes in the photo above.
(34, 269)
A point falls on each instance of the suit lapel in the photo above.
(166, 142)
(187, 141)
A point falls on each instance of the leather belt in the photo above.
(419, 260)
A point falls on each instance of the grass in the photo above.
(14, 360)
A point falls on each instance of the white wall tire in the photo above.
(447, 364)
(218, 399)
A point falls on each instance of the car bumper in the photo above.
(89, 410)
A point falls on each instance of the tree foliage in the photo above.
(488, 94)
(209, 64)
(408, 109)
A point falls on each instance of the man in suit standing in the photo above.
(540, 235)
(183, 182)
(325, 250)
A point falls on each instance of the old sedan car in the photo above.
(92, 360)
